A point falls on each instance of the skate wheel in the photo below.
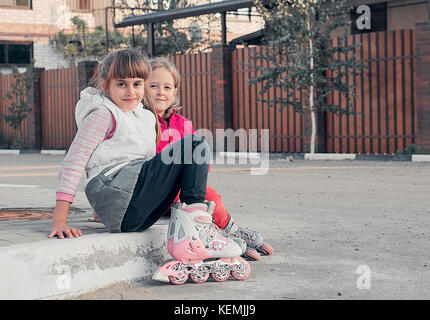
(199, 278)
(267, 249)
(252, 254)
(178, 280)
(242, 270)
(220, 276)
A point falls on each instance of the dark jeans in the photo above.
(181, 166)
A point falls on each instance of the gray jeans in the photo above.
(137, 195)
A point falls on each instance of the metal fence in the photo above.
(60, 93)
(195, 88)
(286, 127)
(9, 134)
(385, 120)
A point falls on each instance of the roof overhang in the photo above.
(180, 13)
(249, 38)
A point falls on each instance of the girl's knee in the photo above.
(212, 195)
(194, 138)
(199, 141)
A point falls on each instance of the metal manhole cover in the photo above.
(24, 214)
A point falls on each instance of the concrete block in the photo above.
(53, 152)
(420, 158)
(58, 268)
(329, 156)
(247, 155)
(10, 151)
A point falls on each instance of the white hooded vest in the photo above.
(134, 136)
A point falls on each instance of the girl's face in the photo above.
(161, 89)
(126, 93)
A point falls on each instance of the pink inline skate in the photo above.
(199, 249)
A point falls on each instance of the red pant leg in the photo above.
(177, 196)
(220, 215)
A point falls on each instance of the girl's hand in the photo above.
(59, 222)
(61, 229)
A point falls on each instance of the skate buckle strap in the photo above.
(203, 219)
(246, 234)
(193, 209)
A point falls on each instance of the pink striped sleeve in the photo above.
(65, 197)
(98, 125)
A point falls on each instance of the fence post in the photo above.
(222, 96)
(34, 101)
(86, 69)
(423, 88)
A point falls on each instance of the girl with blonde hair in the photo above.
(162, 95)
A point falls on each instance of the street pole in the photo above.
(150, 33)
(106, 30)
(223, 28)
(428, 9)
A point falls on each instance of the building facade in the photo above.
(28, 29)
(394, 14)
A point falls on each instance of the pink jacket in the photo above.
(176, 128)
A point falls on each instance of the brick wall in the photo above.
(46, 56)
(54, 13)
(423, 86)
(39, 25)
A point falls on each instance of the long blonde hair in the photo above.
(122, 64)
(164, 62)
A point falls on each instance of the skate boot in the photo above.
(236, 238)
(255, 245)
(199, 249)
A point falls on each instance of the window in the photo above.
(16, 53)
(2, 53)
(80, 5)
(84, 5)
(241, 14)
(378, 18)
(21, 4)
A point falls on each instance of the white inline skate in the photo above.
(199, 249)
(255, 245)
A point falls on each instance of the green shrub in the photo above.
(410, 149)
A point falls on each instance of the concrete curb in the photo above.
(351, 156)
(247, 155)
(420, 158)
(54, 152)
(257, 155)
(25, 151)
(329, 156)
(54, 268)
(10, 151)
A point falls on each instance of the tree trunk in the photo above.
(311, 94)
(314, 130)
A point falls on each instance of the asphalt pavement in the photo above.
(349, 229)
